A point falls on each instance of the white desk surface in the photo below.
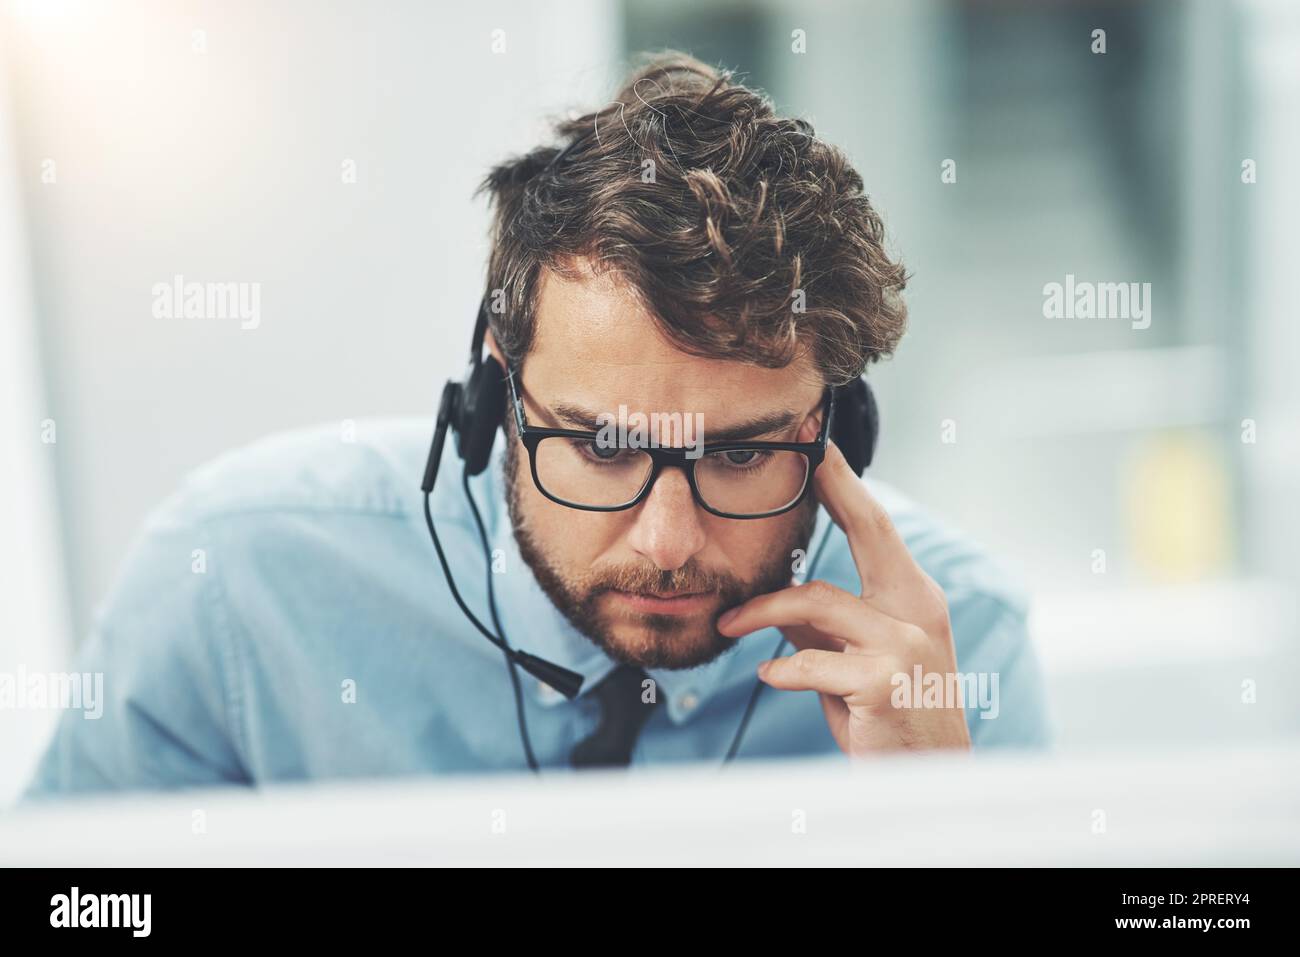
(1201, 808)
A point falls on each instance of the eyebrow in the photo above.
(586, 420)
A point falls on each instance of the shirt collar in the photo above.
(532, 622)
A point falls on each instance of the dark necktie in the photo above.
(622, 716)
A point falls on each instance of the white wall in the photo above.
(35, 631)
(226, 165)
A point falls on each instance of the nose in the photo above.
(668, 529)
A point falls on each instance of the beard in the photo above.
(648, 640)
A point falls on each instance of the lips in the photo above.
(665, 603)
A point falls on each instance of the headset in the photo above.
(474, 410)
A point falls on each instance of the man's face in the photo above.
(647, 584)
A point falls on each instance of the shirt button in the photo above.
(547, 693)
(688, 702)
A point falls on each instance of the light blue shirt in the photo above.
(284, 617)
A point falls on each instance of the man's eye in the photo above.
(745, 460)
(603, 453)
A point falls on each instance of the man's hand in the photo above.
(851, 647)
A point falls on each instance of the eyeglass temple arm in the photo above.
(516, 402)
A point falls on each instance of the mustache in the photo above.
(691, 577)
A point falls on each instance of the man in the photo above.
(689, 252)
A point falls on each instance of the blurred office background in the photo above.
(1137, 480)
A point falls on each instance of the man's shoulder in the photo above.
(299, 517)
(987, 609)
(353, 467)
(965, 570)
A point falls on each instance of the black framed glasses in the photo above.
(740, 480)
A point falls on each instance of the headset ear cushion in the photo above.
(857, 424)
(482, 407)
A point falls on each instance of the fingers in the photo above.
(850, 677)
(806, 636)
(822, 606)
(891, 578)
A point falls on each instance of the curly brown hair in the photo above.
(716, 211)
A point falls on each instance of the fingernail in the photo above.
(727, 617)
